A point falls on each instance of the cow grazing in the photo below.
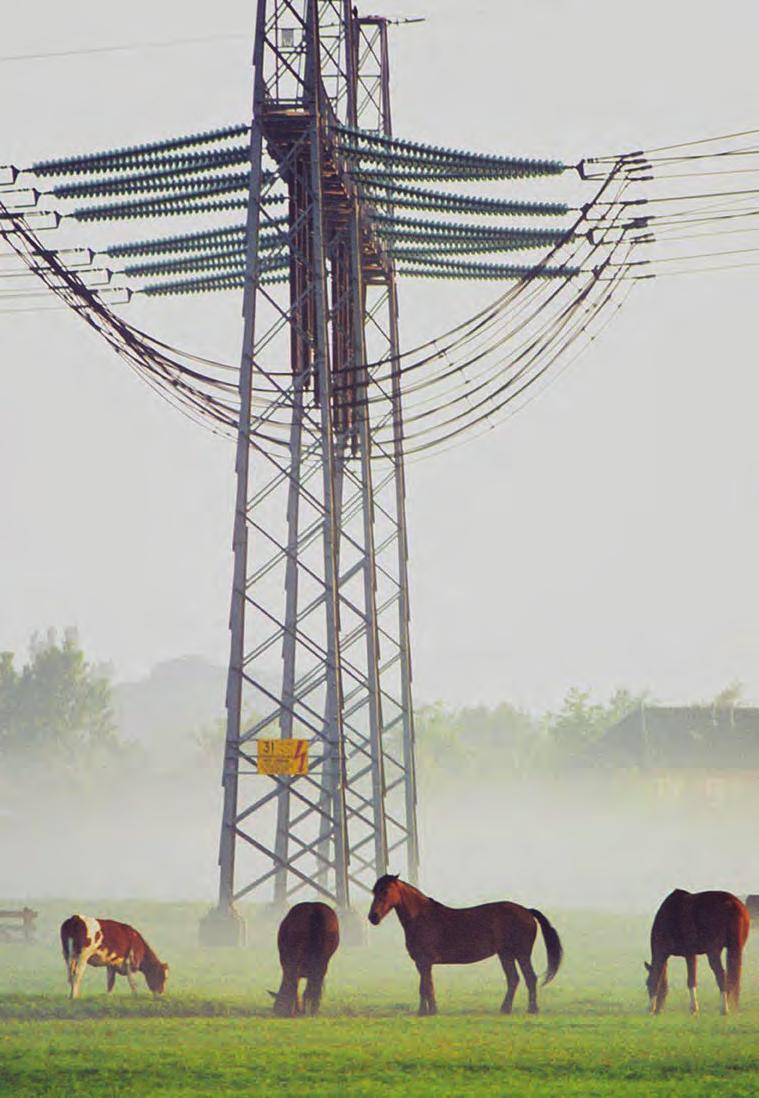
(108, 944)
(308, 936)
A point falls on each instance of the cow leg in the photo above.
(110, 978)
(691, 962)
(525, 963)
(131, 979)
(77, 983)
(71, 975)
(76, 972)
(715, 961)
(509, 966)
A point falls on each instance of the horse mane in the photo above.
(418, 892)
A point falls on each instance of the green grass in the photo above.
(213, 1032)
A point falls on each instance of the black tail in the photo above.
(554, 947)
(316, 936)
(316, 966)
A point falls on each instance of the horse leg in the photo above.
(715, 961)
(313, 993)
(691, 962)
(427, 1004)
(733, 983)
(287, 1002)
(512, 980)
(525, 963)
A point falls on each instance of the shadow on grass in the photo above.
(36, 1008)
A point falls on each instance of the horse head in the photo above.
(656, 986)
(285, 1004)
(387, 895)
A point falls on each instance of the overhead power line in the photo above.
(125, 48)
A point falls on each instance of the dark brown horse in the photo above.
(690, 923)
(440, 935)
(308, 936)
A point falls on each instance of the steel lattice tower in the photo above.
(319, 611)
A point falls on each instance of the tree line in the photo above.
(57, 707)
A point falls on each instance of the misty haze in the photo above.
(562, 806)
(378, 526)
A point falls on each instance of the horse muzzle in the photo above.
(374, 918)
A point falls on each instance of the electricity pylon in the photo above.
(319, 616)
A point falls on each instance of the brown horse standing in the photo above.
(690, 923)
(308, 936)
(439, 935)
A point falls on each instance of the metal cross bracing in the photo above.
(319, 612)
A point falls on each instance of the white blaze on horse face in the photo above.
(652, 1004)
(693, 1001)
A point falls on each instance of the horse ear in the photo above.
(395, 876)
(647, 966)
(273, 994)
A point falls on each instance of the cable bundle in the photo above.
(384, 188)
(163, 180)
(366, 145)
(135, 156)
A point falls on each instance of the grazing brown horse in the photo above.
(689, 923)
(308, 936)
(440, 935)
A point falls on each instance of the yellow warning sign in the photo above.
(288, 757)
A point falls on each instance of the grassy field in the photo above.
(213, 1032)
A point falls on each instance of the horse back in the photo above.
(450, 935)
(308, 936)
(699, 922)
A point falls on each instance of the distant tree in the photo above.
(57, 703)
(580, 721)
(475, 740)
(8, 696)
(730, 696)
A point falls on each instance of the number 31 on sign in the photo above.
(283, 757)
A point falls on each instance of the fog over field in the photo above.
(541, 843)
(146, 823)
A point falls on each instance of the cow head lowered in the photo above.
(156, 974)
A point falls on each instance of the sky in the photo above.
(605, 536)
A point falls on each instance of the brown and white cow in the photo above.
(115, 946)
